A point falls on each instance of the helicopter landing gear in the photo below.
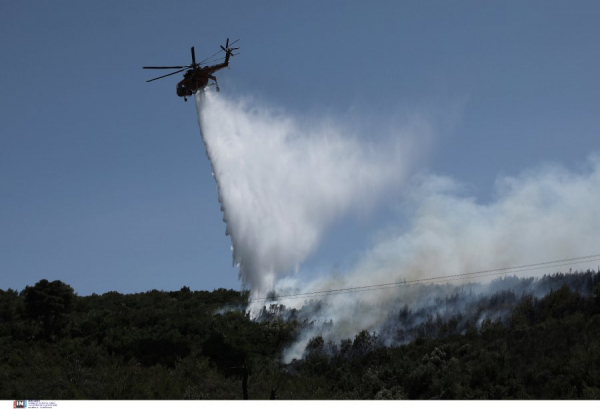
(185, 99)
(216, 84)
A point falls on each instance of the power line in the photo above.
(454, 277)
(410, 283)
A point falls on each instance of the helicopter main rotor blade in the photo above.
(166, 68)
(208, 58)
(193, 57)
(163, 76)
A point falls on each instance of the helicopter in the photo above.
(196, 76)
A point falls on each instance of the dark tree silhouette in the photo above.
(48, 303)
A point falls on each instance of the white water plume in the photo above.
(284, 181)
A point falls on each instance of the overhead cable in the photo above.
(453, 277)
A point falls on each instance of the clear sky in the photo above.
(104, 181)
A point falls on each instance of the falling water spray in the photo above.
(283, 181)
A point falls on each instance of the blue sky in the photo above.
(104, 182)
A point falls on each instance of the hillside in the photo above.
(530, 339)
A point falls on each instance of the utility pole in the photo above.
(245, 383)
(244, 379)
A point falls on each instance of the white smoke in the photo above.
(545, 214)
(283, 182)
(549, 213)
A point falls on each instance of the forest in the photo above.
(522, 338)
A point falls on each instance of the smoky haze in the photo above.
(544, 214)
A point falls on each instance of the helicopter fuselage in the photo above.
(192, 82)
(197, 79)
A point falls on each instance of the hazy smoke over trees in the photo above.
(544, 214)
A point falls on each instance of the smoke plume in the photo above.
(545, 214)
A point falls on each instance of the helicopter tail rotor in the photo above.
(229, 50)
